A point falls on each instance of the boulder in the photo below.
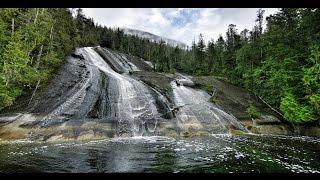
(184, 82)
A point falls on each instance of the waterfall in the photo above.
(194, 108)
(134, 105)
(98, 85)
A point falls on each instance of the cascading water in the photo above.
(97, 85)
(119, 62)
(130, 101)
(194, 109)
(103, 93)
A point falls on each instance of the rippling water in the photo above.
(218, 153)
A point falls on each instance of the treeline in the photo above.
(280, 63)
(33, 44)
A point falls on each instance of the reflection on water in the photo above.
(219, 153)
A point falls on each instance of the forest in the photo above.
(279, 63)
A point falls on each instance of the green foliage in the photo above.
(208, 88)
(277, 62)
(7, 95)
(15, 61)
(253, 111)
(33, 44)
(295, 112)
(214, 100)
(311, 80)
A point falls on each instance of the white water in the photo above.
(134, 104)
(121, 61)
(194, 109)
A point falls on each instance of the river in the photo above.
(214, 154)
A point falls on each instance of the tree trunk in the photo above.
(29, 20)
(6, 73)
(12, 26)
(39, 56)
(31, 61)
(270, 106)
(252, 76)
(51, 32)
(260, 54)
(35, 19)
(50, 44)
(42, 10)
(34, 92)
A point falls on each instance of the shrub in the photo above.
(253, 112)
(295, 112)
(208, 88)
(214, 100)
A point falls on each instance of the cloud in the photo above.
(182, 24)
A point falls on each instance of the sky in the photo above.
(182, 24)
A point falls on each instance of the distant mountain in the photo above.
(154, 37)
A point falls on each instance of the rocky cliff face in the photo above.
(102, 94)
(236, 100)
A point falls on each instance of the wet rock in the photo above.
(236, 132)
(266, 119)
(312, 131)
(184, 82)
(271, 129)
(14, 130)
(82, 65)
(7, 118)
(159, 81)
(80, 56)
(57, 138)
(233, 99)
(307, 130)
(149, 63)
(89, 135)
(167, 128)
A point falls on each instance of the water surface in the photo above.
(215, 154)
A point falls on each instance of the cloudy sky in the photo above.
(182, 24)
